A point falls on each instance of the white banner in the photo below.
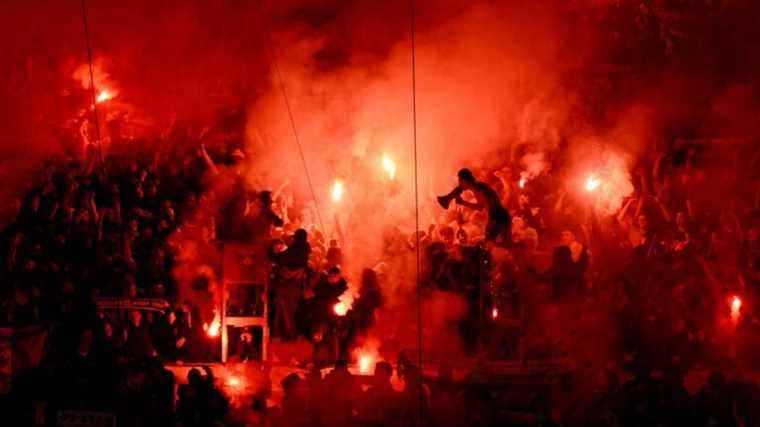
(85, 419)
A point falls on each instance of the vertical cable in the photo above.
(420, 340)
(92, 81)
(295, 135)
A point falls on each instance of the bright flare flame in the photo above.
(592, 183)
(234, 382)
(340, 309)
(494, 313)
(367, 356)
(337, 191)
(523, 179)
(736, 307)
(104, 96)
(345, 302)
(365, 363)
(212, 330)
(389, 166)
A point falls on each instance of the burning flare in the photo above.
(366, 356)
(104, 96)
(234, 382)
(736, 308)
(337, 191)
(365, 363)
(212, 330)
(592, 183)
(345, 302)
(523, 179)
(494, 313)
(389, 166)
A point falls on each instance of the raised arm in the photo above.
(639, 207)
(624, 210)
(560, 202)
(657, 169)
(208, 160)
(664, 210)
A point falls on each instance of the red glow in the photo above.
(494, 313)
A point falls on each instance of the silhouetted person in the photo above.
(334, 256)
(199, 402)
(290, 277)
(294, 409)
(370, 299)
(345, 392)
(499, 224)
(381, 403)
(564, 275)
(296, 256)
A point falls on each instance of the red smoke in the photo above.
(545, 84)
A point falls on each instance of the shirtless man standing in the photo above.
(499, 220)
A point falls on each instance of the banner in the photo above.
(154, 304)
(85, 419)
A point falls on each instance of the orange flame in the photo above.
(389, 166)
(523, 180)
(337, 191)
(494, 313)
(212, 330)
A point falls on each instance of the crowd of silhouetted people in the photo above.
(656, 283)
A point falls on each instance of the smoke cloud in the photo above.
(526, 82)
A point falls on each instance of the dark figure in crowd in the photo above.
(334, 256)
(200, 403)
(370, 299)
(499, 223)
(259, 217)
(294, 409)
(345, 393)
(138, 342)
(296, 256)
(288, 282)
(565, 276)
(326, 292)
(170, 337)
(382, 404)
(328, 330)
(268, 215)
(714, 404)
